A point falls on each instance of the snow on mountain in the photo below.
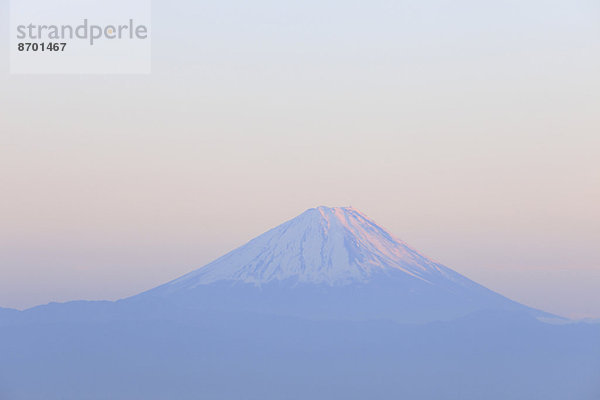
(333, 246)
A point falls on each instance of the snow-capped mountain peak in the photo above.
(323, 245)
(330, 263)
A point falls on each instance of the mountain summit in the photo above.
(331, 262)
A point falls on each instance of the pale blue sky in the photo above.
(469, 129)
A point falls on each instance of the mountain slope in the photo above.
(331, 263)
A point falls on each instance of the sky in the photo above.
(468, 129)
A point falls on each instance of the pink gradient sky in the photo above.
(470, 131)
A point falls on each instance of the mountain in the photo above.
(331, 263)
(316, 308)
